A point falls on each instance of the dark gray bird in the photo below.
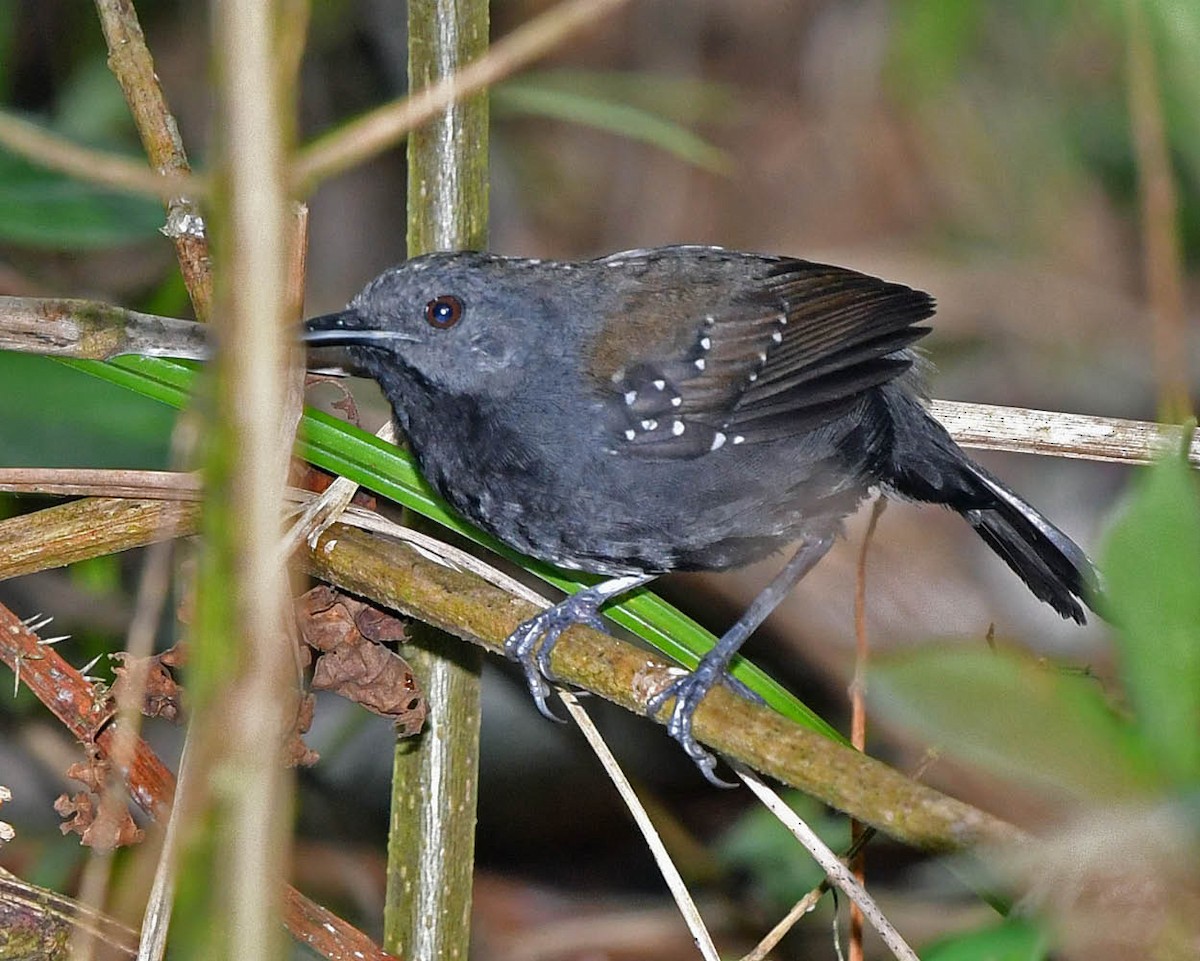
(678, 408)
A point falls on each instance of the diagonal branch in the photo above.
(383, 127)
(101, 167)
(130, 61)
(461, 603)
(89, 718)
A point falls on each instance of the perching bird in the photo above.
(673, 409)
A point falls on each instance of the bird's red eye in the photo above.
(444, 311)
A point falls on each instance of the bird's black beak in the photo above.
(342, 329)
(328, 336)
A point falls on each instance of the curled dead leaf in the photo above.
(353, 663)
(161, 696)
(102, 827)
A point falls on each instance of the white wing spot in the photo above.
(630, 398)
(660, 385)
(777, 337)
(678, 427)
(710, 319)
(676, 401)
(762, 358)
(699, 363)
(739, 439)
(630, 434)
(718, 441)
(649, 424)
(705, 343)
(753, 376)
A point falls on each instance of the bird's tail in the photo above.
(925, 464)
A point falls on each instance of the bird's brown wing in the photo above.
(755, 349)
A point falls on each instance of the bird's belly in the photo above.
(611, 516)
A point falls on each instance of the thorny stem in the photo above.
(151, 786)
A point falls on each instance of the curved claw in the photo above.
(531, 644)
(687, 692)
(521, 646)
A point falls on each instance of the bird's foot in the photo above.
(530, 644)
(687, 692)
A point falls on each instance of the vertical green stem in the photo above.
(431, 845)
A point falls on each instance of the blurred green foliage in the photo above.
(58, 417)
(43, 209)
(1012, 939)
(655, 110)
(1152, 563)
(1024, 719)
(760, 850)
(1049, 81)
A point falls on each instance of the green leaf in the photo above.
(1013, 939)
(45, 209)
(56, 417)
(388, 470)
(1152, 570)
(623, 119)
(1016, 715)
(686, 100)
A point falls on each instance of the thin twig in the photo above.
(858, 711)
(131, 63)
(666, 867)
(383, 127)
(1081, 436)
(94, 482)
(47, 149)
(830, 863)
(154, 584)
(1162, 256)
(805, 904)
(329, 506)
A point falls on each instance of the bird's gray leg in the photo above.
(531, 643)
(689, 690)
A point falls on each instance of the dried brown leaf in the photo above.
(81, 816)
(161, 696)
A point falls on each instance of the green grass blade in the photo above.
(622, 119)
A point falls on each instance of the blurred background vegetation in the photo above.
(980, 151)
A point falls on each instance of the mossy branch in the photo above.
(468, 607)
